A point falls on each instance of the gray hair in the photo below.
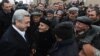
(19, 15)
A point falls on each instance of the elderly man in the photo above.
(88, 37)
(72, 14)
(14, 41)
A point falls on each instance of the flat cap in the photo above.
(84, 19)
(36, 13)
(73, 9)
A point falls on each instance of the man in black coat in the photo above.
(6, 14)
(66, 44)
(14, 42)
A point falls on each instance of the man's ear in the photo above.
(47, 27)
(98, 17)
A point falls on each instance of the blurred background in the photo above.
(86, 2)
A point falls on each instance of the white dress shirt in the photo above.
(22, 33)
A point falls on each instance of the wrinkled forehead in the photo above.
(90, 9)
(7, 4)
(80, 23)
(56, 5)
(73, 12)
(41, 5)
(92, 13)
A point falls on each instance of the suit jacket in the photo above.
(13, 44)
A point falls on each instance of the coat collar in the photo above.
(17, 35)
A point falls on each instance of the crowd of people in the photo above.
(49, 30)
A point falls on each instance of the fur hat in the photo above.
(47, 22)
(64, 30)
(50, 11)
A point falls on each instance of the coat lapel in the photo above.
(18, 36)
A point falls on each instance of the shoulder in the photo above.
(8, 34)
(97, 28)
(70, 50)
(1, 13)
